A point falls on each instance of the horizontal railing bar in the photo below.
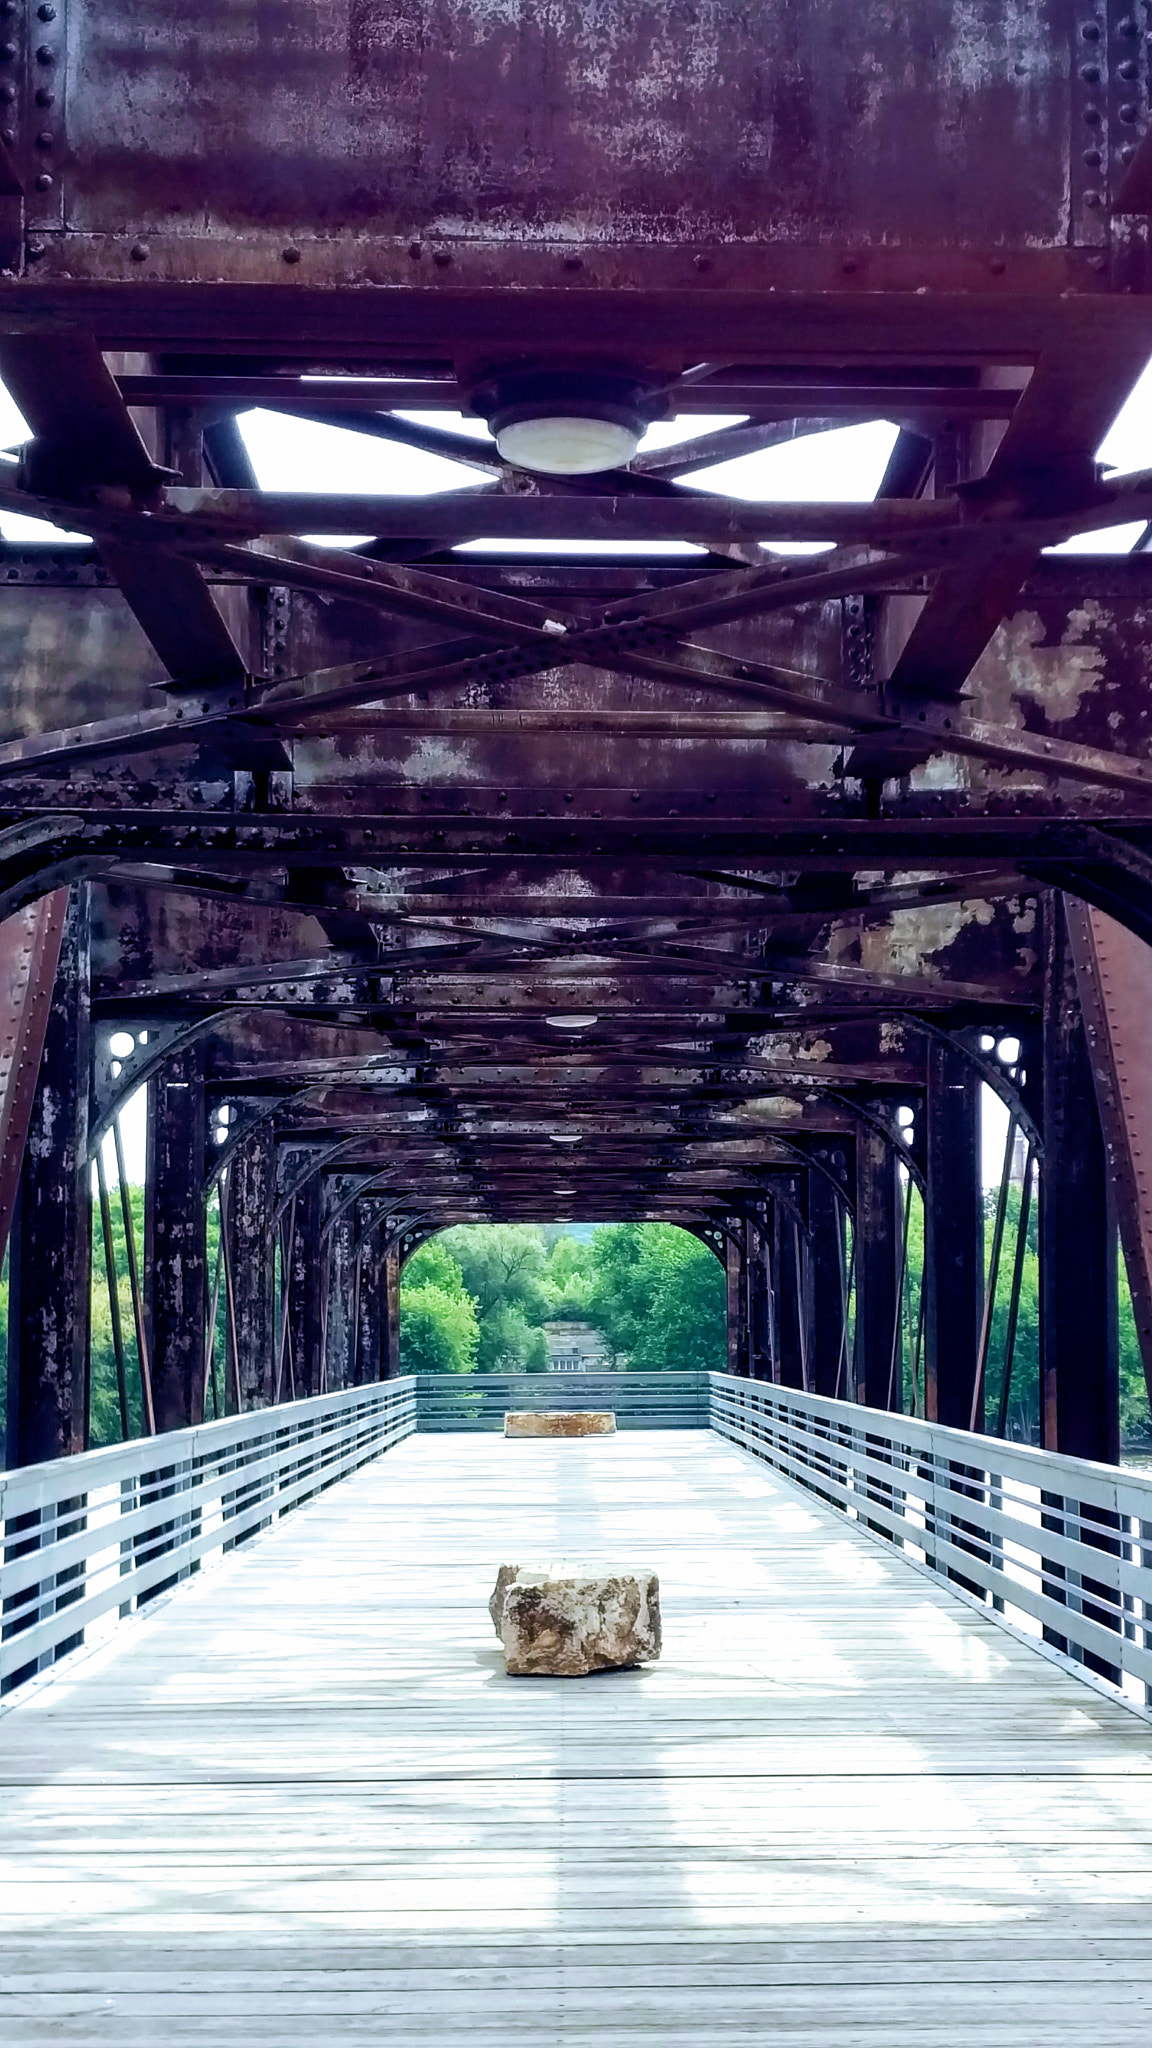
(975, 1510)
(108, 1528)
(1106, 1487)
(202, 1491)
(20, 1648)
(31, 1486)
(940, 1498)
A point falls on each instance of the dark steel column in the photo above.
(175, 1255)
(877, 1270)
(759, 1268)
(251, 1190)
(737, 1322)
(791, 1307)
(826, 1291)
(1078, 1348)
(50, 1243)
(370, 1317)
(954, 1241)
(340, 1325)
(390, 1316)
(304, 1301)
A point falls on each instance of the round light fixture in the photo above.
(572, 1020)
(567, 422)
(567, 1137)
(567, 444)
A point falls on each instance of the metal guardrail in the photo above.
(1058, 1547)
(639, 1400)
(88, 1539)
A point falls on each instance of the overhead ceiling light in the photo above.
(571, 1020)
(567, 1137)
(567, 422)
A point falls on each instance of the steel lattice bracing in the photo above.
(358, 824)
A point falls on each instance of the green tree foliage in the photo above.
(1023, 1412)
(658, 1296)
(438, 1330)
(655, 1293)
(504, 1269)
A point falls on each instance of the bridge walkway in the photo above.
(298, 1800)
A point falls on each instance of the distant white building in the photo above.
(576, 1347)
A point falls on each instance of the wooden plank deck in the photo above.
(300, 1802)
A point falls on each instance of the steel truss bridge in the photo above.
(893, 1770)
(565, 842)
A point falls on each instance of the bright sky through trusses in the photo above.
(844, 465)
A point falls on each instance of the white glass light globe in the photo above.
(567, 447)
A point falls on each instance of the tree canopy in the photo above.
(654, 1292)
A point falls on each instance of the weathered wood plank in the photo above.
(301, 1798)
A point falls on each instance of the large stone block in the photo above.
(570, 1422)
(561, 1622)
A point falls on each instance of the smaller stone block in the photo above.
(563, 1622)
(571, 1422)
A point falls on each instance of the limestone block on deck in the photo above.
(561, 1622)
(571, 1422)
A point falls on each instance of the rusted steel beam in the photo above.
(1048, 448)
(1114, 985)
(876, 1244)
(826, 1301)
(954, 1241)
(1078, 1335)
(29, 956)
(340, 1321)
(175, 1254)
(305, 1291)
(86, 437)
(251, 1193)
(49, 1260)
(808, 401)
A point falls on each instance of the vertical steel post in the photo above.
(877, 1244)
(175, 1250)
(790, 1304)
(390, 1315)
(251, 1187)
(340, 1329)
(953, 1242)
(304, 1293)
(734, 1279)
(1080, 1408)
(371, 1316)
(758, 1303)
(826, 1297)
(51, 1237)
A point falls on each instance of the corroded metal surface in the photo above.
(478, 884)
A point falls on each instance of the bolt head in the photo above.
(139, 252)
